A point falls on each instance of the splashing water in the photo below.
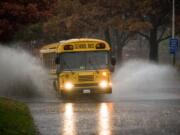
(21, 75)
(145, 80)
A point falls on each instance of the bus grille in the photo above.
(83, 78)
(86, 85)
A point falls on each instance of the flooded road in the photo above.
(145, 99)
(103, 115)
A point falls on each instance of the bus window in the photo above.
(48, 61)
(84, 60)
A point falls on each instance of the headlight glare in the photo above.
(68, 85)
(110, 84)
(103, 84)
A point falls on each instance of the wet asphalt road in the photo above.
(103, 115)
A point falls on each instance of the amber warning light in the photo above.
(68, 47)
(100, 46)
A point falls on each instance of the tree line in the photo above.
(54, 20)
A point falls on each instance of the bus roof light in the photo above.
(100, 46)
(68, 47)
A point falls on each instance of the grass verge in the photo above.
(15, 118)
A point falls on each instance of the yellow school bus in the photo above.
(83, 66)
(48, 55)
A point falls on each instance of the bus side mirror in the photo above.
(113, 61)
(57, 60)
(112, 68)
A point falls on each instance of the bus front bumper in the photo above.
(88, 90)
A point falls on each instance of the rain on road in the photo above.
(103, 115)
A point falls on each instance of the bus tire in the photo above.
(62, 94)
(54, 85)
(110, 91)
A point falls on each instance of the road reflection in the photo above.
(103, 123)
(105, 120)
(69, 127)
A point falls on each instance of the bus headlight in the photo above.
(68, 85)
(103, 84)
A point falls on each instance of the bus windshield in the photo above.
(84, 60)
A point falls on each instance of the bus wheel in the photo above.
(63, 94)
(54, 85)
